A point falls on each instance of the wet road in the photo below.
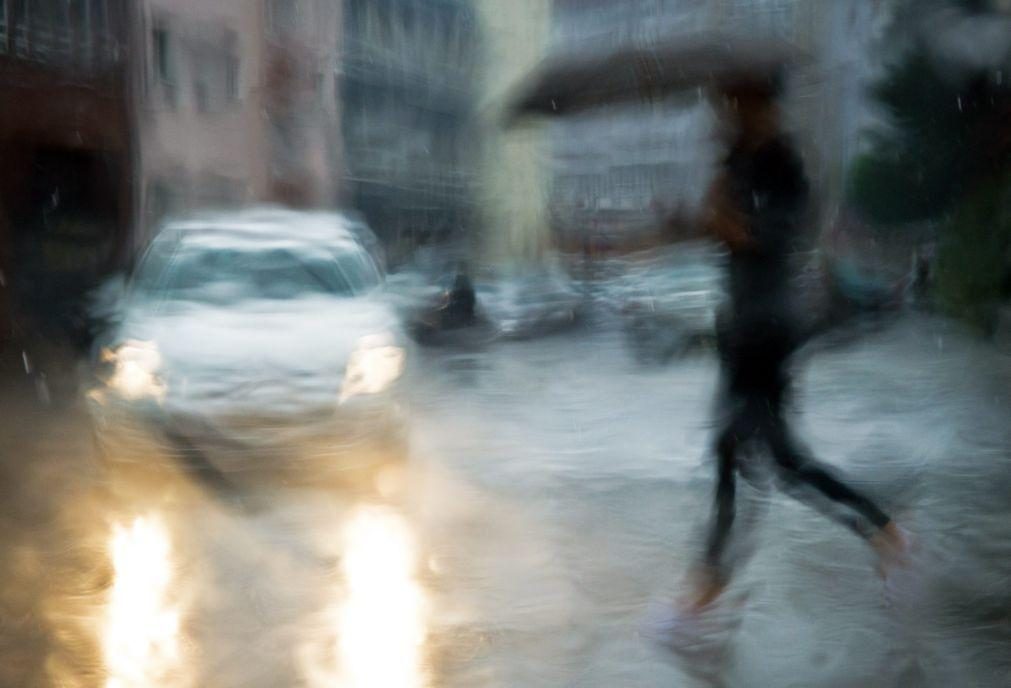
(554, 491)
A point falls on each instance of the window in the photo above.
(61, 28)
(80, 23)
(3, 26)
(162, 54)
(164, 63)
(317, 86)
(40, 28)
(18, 22)
(231, 67)
(283, 15)
(232, 77)
(100, 29)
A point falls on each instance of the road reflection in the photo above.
(379, 619)
(141, 632)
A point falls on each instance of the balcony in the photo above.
(75, 35)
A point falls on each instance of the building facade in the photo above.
(199, 117)
(117, 113)
(302, 58)
(621, 174)
(408, 118)
(633, 170)
(239, 104)
(513, 179)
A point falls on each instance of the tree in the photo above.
(943, 157)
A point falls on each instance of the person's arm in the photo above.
(721, 219)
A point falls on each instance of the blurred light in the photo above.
(136, 364)
(373, 366)
(140, 636)
(381, 618)
(390, 481)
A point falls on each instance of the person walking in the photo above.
(755, 207)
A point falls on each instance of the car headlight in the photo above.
(374, 365)
(135, 370)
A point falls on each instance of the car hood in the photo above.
(257, 358)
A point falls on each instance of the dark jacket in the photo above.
(757, 331)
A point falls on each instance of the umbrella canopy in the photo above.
(568, 84)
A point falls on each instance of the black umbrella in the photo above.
(568, 84)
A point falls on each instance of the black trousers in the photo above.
(758, 416)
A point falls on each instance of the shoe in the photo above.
(891, 544)
(705, 587)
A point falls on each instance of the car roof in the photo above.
(264, 227)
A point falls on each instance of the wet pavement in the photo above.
(554, 491)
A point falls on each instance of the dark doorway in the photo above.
(65, 231)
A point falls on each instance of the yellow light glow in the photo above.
(140, 636)
(381, 617)
(134, 375)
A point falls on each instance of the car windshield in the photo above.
(224, 275)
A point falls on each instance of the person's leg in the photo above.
(801, 471)
(724, 496)
(711, 576)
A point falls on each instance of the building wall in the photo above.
(65, 150)
(302, 100)
(513, 175)
(239, 104)
(641, 164)
(627, 170)
(408, 119)
(200, 122)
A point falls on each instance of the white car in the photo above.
(255, 340)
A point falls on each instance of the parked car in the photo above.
(668, 305)
(532, 303)
(447, 306)
(259, 341)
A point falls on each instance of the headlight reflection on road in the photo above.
(140, 636)
(381, 616)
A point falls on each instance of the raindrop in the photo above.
(959, 99)
(1000, 77)
(27, 362)
(3, 279)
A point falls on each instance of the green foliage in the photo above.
(920, 164)
(943, 157)
(894, 190)
(972, 260)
